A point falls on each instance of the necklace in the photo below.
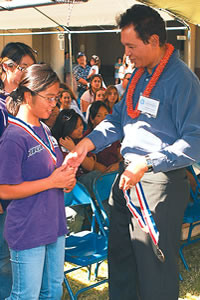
(20, 123)
(134, 113)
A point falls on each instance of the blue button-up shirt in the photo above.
(172, 138)
(80, 72)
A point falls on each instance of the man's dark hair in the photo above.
(146, 22)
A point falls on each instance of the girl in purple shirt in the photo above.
(15, 58)
(32, 175)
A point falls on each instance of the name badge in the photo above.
(148, 106)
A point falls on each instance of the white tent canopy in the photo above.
(93, 12)
(189, 10)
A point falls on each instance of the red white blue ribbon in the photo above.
(144, 217)
(35, 136)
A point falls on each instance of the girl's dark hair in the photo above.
(15, 52)
(65, 123)
(146, 22)
(92, 78)
(35, 79)
(93, 111)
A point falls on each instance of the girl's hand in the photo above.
(67, 142)
(63, 177)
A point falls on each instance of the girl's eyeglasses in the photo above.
(11, 64)
(49, 99)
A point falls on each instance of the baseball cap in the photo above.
(96, 58)
(80, 54)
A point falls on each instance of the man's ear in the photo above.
(27, 97)
(154, 40)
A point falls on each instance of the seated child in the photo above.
(108, 159)
(68, 131)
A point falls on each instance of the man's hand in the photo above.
(133, 173)
(76, 157)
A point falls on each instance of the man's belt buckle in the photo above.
(126, 163)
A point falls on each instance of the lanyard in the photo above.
(35, 136)
(144, 218)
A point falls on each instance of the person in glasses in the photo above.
(33, 177)
(15, 58)
(117, 65)
(121, 87)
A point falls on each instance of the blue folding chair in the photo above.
(85, 248)
(101, 188)
(191, 216)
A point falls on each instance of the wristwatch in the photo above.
(149, 163)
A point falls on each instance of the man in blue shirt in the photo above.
(81, 72)
(159, 126)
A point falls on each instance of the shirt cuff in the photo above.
(159, 162)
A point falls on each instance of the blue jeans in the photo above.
(38, 272)
(5, 265)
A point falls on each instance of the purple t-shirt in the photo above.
(39, 219)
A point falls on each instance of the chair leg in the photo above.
(180, 277)
(96, 270)
(188, 242)
(89, 268)
(182, 257)
(69, 288)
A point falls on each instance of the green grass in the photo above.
(189, 287)
(79, 279)
(191, 279)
